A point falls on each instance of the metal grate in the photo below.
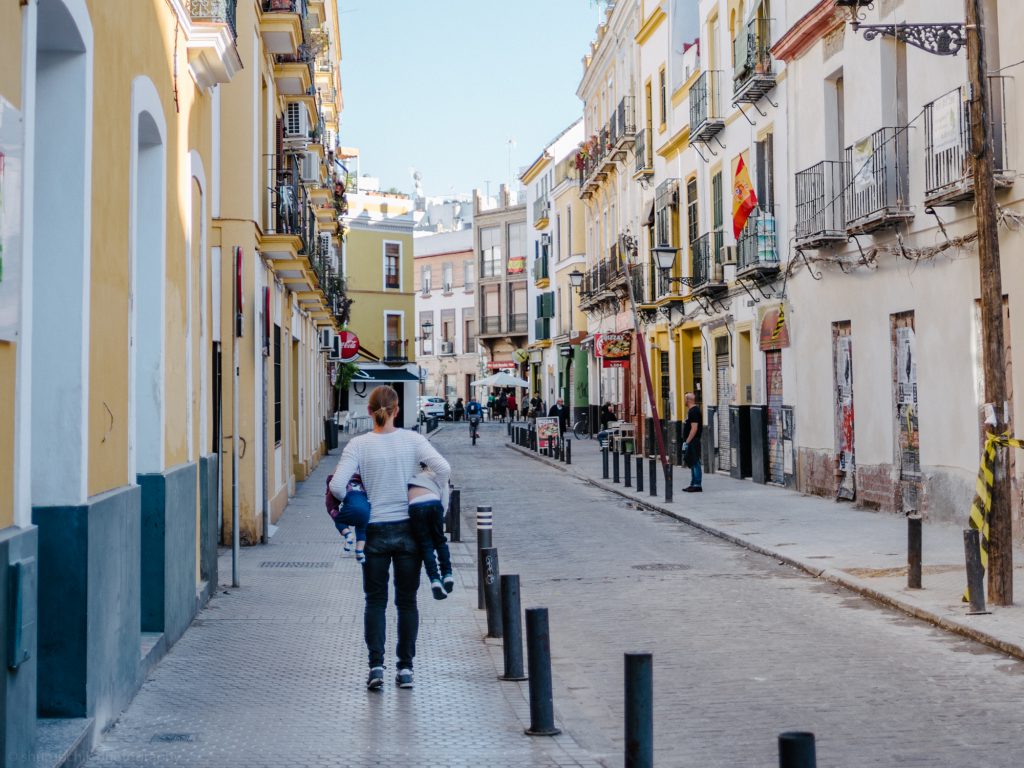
(294, 564)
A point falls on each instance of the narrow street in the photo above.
(272, 674)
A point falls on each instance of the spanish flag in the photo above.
(744, 199)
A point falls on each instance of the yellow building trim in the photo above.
(543, 282)
(674, 145)
(684, 90)
(280, 245)
(534, 170)
(650, 26)
(541, 344)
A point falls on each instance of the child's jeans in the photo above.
(354, 513)
(427, 520)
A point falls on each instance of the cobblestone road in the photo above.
(744, 648)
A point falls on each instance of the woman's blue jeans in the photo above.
(387, 544)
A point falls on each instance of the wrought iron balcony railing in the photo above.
(705, 262)
(518, 323)
(540, 268)
(224, 11)
(541, 211)
(395, 350)
(625, 119)
(755, 75)
(819, 205)
(877, 181)
(285, 6)
(757, 248)
(706, 120)
(643, 162)
(490, 324)
(949, 171)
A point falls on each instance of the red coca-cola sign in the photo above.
(349, 345)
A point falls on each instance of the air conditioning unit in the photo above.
(335, 353)
(447, 347)
(727, 254)
(310, 167)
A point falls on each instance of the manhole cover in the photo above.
(662, 567)
(171, 738)
(293, 564)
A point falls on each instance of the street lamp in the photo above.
(576, 279)
(426, 328)
(665, 256)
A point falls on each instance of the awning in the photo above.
(649, 221)
(384, 374)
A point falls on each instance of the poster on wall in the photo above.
(774, 327)
(863, 165)
(547, 430)
(946, 121)
(614, 349)
(11, 152)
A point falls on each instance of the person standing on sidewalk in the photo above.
(387, 459)
(693, 428)
(512, 409)
(559, 410)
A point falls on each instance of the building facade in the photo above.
(448, 352)
(188, 228)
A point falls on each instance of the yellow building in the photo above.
(378, 270)
(186, 148)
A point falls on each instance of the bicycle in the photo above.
(581, 428)
(474, 421)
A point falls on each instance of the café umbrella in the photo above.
(501, 379)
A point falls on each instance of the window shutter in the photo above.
(769, 171)
(540, 305)
(759, 172)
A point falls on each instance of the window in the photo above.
(568, 232)
(558, 237)
(426, 339)
(662, 96)
(277, 384)
(491, 322)
(448, 326)
(517, 248)
(490, 252)
(468, 331)
(392, 265)
(468, 274)
(692, 211)
(447, 279)
(517, 303)
(764, 164)
(649, 118)
(717, 212)
(425, 273)
(294, 125)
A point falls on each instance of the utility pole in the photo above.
(1000, 574)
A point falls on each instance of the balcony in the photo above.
(281, 26)
(644, 163)
(541, 275)
(490, 326)
(625, 119)
(820, 220)
(757, 249)
(396, 351)
(877, 181)
(293, 78)
(212, 53)
(706, 274)
(755, 75)
(542, 328)
(290, 226)
(949, 170)
(706, 120)
(541, 212)
(518, 323)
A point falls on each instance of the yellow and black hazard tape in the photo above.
(982, 504)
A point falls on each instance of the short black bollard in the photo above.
(796, 750)
(914, 552)
(652, 477)
(604, 463)
(639, 711)
(975, 573)
(492, 591)
(615, 466)
(512, 626)
(510, 429)
(627, 465)
(639, 474)
(484, 535)
(668, 483)
(538, 653)
(568, 451)
(455, 515)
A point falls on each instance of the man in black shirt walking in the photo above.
(693, 427)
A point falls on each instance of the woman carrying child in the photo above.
(386, 459)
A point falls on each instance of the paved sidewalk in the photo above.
(272, 674)
(862, 550)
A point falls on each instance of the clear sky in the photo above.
(442, 85)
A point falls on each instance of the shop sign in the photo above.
(496, 365)
(547, 430)
(348, 343)
(565, 351)
(614, 349)
(774, 327)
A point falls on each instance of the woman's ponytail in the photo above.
(383, 404)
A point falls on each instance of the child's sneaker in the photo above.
(438, 590)
(350, 539)
(360, 556)
(449, 582)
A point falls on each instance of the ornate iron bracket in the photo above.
(940, 39)
(807, 263)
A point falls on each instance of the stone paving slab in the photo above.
(272, 674)
(862, 550)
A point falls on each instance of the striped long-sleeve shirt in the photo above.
(386, 461)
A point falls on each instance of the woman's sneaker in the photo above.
(404, 678)
(438, 590)
(376, 679)
(449, 582)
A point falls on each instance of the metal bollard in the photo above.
(627, 465)
(510, 429)
(538, 653)
(639, 474)
(668, 483)
(796, 750)
(492, 591)
(652, 476)
(615, 466)
(484, 535)
(512, 624)
(639, 711)
(975, 573)
(604, 463)
(455, 515)
(914, 552)
(568, 451)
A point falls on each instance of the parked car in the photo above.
(431, 406)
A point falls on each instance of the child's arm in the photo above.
(348, 465)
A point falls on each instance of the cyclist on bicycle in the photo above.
(474, 412)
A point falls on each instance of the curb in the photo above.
(830, 575)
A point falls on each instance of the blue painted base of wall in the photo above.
(209, 527)
(89, 634)
(18, 697)
(168, 551)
